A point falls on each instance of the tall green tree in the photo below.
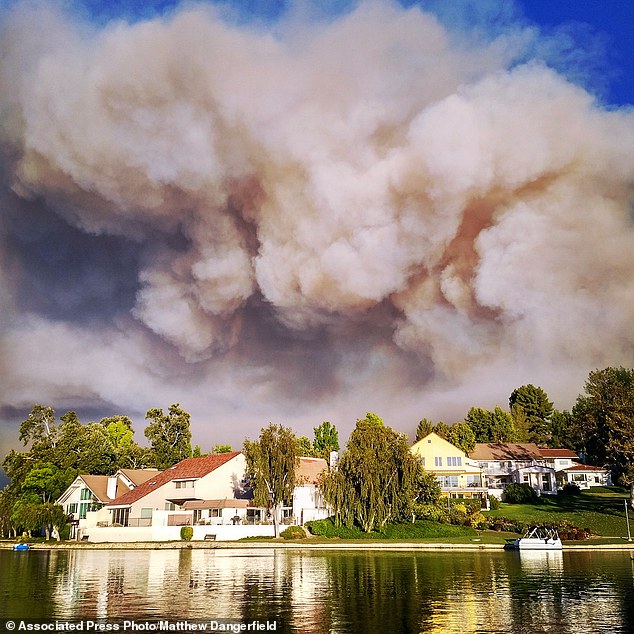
(491, 426)
(461, 435)
(521, 423)
(442, 429)
(305, 447)
(603, 422)
(169, 436)
(538, 410)
(562, 429)
(424, 428)
(326, 440)
(374, 478)
(272, 462)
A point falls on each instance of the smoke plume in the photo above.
(303, 223)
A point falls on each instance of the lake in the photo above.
(327, 591)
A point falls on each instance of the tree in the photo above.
(304, 446)
(426, 490)
(39, 428)
(491, 426)
(221, 449)
(538, 410)
(521, 423)
(7, 501)
(271, 467)
(562, 429)
(44, 483)
(461, 435)
(52, 516)
(603, 422)
(326, 440)
(424, 428)
(169, 435)
(374, 479)
(442, 429)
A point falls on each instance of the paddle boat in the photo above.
(537, 538)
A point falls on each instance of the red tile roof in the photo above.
(189, 468)
(583, 467)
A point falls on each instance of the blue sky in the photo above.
(598, 34)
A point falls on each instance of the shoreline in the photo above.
(265, 545)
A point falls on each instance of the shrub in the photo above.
(569, 489)
(187, 532)
(520, 494)
(494, 503)
(293, 532)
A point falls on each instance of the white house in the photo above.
(585, 476)
(209, 493)
(90, 493)
(308, 502)
(507, 463)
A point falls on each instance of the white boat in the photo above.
(539, 538)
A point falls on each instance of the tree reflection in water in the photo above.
(327, 591)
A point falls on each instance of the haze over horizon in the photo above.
(301, 215)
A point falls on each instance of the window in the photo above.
(120, 516)
(448, 481)
(438, 461)
(454, 461)
(423, 461)
(146, 513)
(184, 484)
(170, 506)
(86, 494)
(83, 507)
(526, 478)
(197, 515)
(72, 508)
(215, 513)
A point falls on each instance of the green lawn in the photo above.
(600, 509)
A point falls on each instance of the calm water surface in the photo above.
(327, 591)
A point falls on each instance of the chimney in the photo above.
(111, 491)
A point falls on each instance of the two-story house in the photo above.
(458, 475)
(90, 493)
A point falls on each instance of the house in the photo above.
(584, 476)
(209, 493)
(90, 493)
(308, 502)
(159, 501)
(558, 459)
(507, 463)
(458, 475)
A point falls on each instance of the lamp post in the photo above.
(627, 521)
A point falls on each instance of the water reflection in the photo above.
(329, 591)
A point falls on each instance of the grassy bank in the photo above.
(601, 510)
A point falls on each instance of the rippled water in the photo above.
(325, 591)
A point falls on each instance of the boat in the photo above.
(537, 538)
(20, 547)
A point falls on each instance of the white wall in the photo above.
(173, 533)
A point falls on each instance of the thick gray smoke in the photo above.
(366, 214)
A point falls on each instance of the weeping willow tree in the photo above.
(373, 482)
(271, 465)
